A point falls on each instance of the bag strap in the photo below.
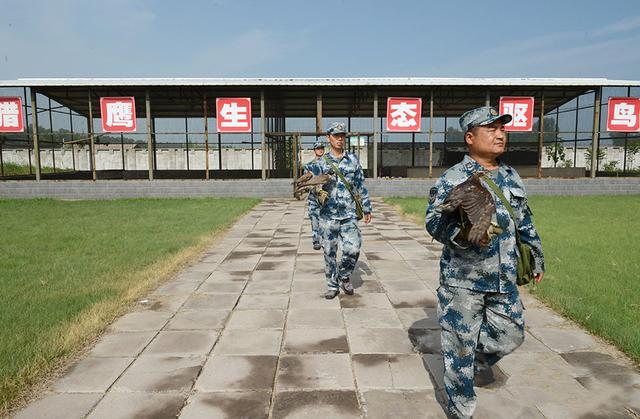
(504, 200)
(340, 175)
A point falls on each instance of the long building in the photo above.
(176, 134)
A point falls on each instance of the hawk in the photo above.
(476, 207)
(308, 182)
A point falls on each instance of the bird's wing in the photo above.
(479, 206)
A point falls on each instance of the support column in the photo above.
(487, 98)
(376, 134)
(596, 131)
(541, 135)
(263, 145)
(319, 112)
(206, 137)
(34, 132)
(149, 135)
(92, 145)
(431, 134)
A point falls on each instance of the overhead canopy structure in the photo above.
(279, 101)
(297, 97)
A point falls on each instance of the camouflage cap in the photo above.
(337, 128)
(483, 115)
(318, 144)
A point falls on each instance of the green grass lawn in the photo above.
(68, 268)
(12, 169)
(592, 256)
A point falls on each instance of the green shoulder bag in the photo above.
(526, 261)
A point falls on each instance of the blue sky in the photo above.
(333, 38)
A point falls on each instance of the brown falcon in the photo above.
(308, 182)
(476, 207)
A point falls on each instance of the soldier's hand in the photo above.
(538, 277)
(367, 218)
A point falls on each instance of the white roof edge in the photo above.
(320, 81)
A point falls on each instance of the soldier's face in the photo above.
(488, 140)
(336, 141)
(319, 151)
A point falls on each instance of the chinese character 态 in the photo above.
(234, 115)
(404, 114)
(9, 115)
(119, 114)
(624, 114)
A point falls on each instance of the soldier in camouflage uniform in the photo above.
(338, 222)
(312, 199)
(480, 311)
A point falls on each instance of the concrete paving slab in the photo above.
(367, 300)
(315, 287)
(263, 302)
(198, 320)
(408, 299)
(315, 372)
(253, 404)
(161, 303)
(312, 340)
(213, 287)
(160, 374)
(122, 344)
(177, 288)
(257, 319)
(404, 285)
(316, 405)
(402, 404)
(224, 373)
(117, 405)
(141, 321)
(249, 342)
(311, 300)
(268, 287)
(418, 318)
(398, 372)
(272, 275)
(371, 318)
(379, 341)
(200, 301)
(564, 340)
(229, 276)
(182, 343)
(314, 318)
(92, 375)
(60, 406)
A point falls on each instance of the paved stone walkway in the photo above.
(245, 333)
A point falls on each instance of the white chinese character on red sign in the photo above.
(521, 110)
(404, 114)
(11, 114)
(233, 114)
(624, 114)
(118, 114)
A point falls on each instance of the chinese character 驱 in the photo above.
(519, 113)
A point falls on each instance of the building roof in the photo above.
(318, 82)
(297, 97)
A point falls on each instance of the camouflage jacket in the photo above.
(340, 204)
(492, 268)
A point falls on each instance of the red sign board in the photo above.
(11, 119)
(404, 114)
(624, 114)
(521, 109)
(233, 114)
(118, 114)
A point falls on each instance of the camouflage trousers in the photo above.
(315, 229)
(478, 329)
(346, 234)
